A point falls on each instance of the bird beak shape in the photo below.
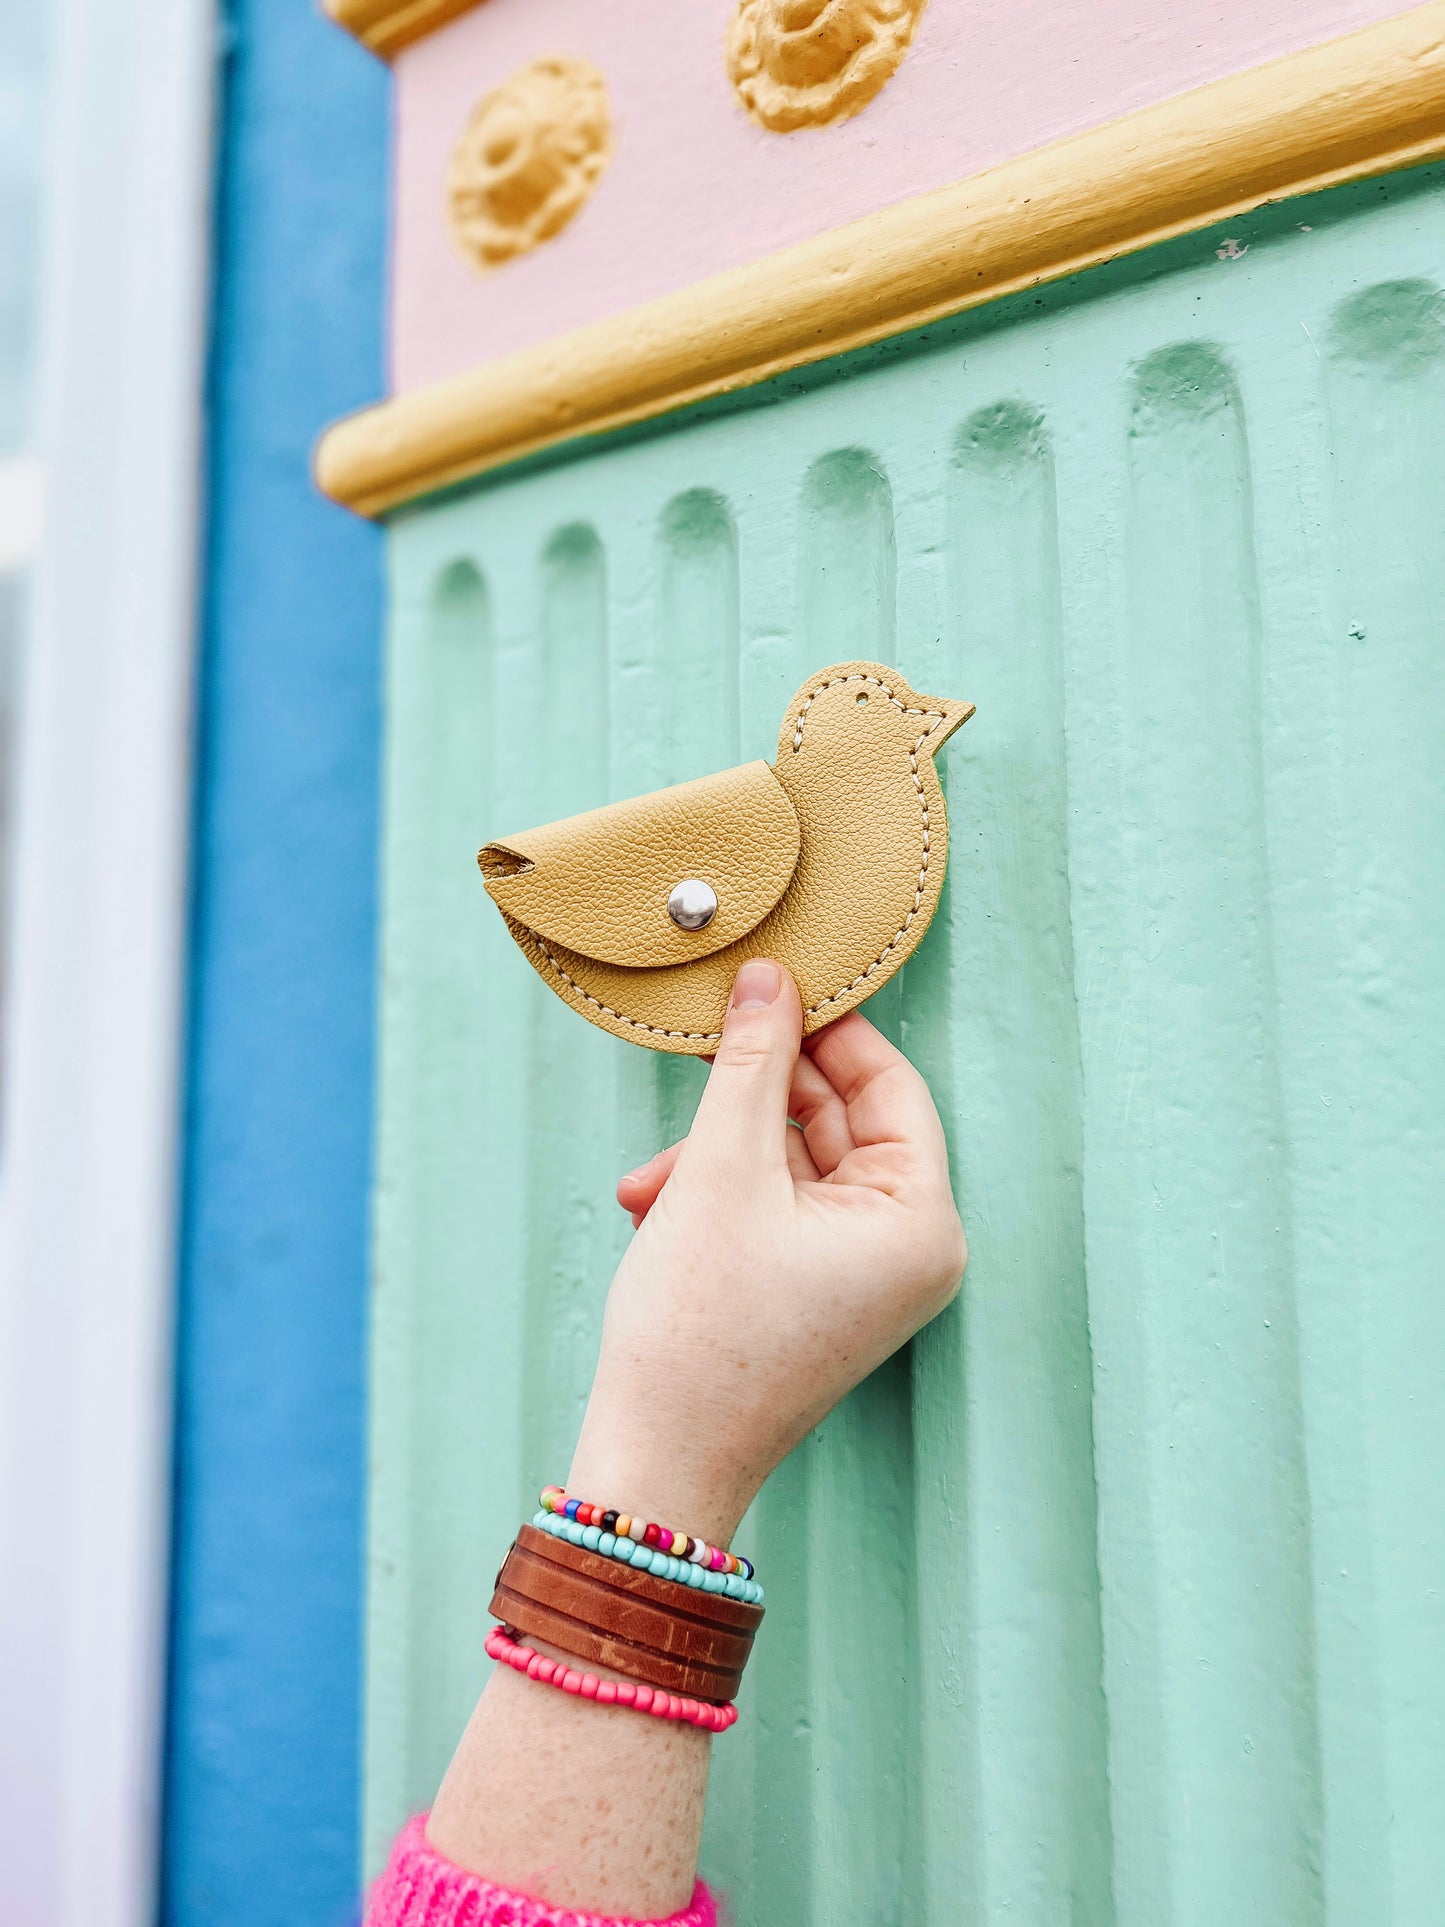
(955, 715)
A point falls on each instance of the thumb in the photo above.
(743, 1115)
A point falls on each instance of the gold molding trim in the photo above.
(1366, 104)
(386, 26)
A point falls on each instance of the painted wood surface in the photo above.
(1148, 1526)
(696, 187)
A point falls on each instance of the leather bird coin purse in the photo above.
(829, 859)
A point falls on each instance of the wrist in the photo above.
(670, 1487)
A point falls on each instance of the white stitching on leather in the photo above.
(935, 716)
(689, 1036)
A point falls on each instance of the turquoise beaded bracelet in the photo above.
(648, 1559)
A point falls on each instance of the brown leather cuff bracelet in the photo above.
(607, 1614)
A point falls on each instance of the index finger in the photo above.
(885, 1096)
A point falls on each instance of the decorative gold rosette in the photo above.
(808, 63)
(529, 157)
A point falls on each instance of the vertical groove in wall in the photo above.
(698, 678)
(859, 1465)
(1213, 1717)
(696, 670)
(683, 705)
(432, 1321)
(572, 1237)
(1379, 991)
(675, 684)
(1016, 1814)
(760, 1833)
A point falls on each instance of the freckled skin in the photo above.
(773, 1268)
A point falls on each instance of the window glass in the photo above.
(22, 86)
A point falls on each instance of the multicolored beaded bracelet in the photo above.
(642, 1699)
(641, 1532)
(666, 1565)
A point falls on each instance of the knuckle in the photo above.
(745, 1053)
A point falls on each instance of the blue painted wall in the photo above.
(263, 1790)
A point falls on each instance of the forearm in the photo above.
(586, 1805)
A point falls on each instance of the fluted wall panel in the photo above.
(1118, 1599)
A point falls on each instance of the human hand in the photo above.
(772, 1268)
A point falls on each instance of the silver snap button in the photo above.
(692, 904)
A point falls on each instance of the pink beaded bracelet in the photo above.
(642, 1699)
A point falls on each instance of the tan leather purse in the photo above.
(830, 860)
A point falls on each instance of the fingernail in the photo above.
(757, 984)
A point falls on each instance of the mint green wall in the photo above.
(1121, 1599)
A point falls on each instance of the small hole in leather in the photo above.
(497, 862)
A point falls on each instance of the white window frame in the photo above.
(88, 1190)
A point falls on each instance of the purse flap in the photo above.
(599, 883)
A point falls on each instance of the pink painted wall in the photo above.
(694, 187)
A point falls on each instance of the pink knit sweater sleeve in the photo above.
(421, 1889)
